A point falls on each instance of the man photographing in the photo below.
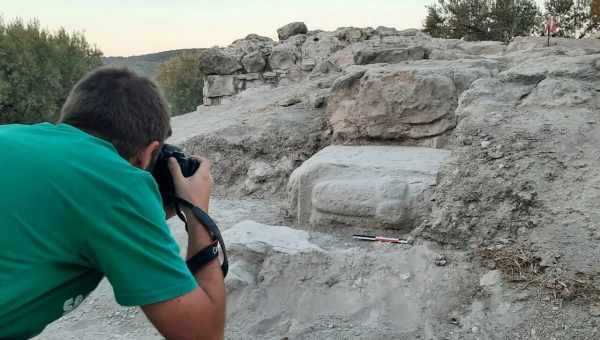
(78, 204)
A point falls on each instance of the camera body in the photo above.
(162, 175)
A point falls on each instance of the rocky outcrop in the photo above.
(375, 186)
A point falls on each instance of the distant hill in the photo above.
(147, 64)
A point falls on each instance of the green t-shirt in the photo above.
(72, 212)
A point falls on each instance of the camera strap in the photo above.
(208, 223)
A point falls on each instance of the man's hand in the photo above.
(197, 188)
(201, 313)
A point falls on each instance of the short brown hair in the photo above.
(119, 106)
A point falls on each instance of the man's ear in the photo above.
(144, 157)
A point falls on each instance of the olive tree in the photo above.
(38, 69)
(181, 81)
(498, 20)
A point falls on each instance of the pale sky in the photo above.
(132, 27)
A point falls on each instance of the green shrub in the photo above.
(38, 68)
(577, 18)
(482, 19)
(181, 80)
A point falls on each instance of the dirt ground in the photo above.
(352, 289)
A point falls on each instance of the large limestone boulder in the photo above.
(364, 186)
(218, 61)
(412, 102)
(291, 29)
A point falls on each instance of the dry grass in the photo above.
(520, 265)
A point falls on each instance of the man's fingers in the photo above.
(202, 160)
(175, 170)
(205, 164)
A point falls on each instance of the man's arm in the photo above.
(199, 314)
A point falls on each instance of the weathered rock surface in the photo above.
(530, 43)
(375, 186)
(354, 34)
(254, 62)
(218, 61)
(389, 55)
(291, 29)
(285, 56)
(250, 44)
(405, 102)
(219, 86)
(526, 149)
(255, 142)
(323, 45)
(262, 238)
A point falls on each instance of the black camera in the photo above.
(162, 175)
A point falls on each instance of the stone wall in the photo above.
(301, 54)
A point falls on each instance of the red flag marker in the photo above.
(551, 27)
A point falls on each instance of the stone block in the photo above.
(413, 101)
(308, 64)
(283, 56)
(218, 61)
(389, 55)
(364, 186)
(219, 86)
(262, 238)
